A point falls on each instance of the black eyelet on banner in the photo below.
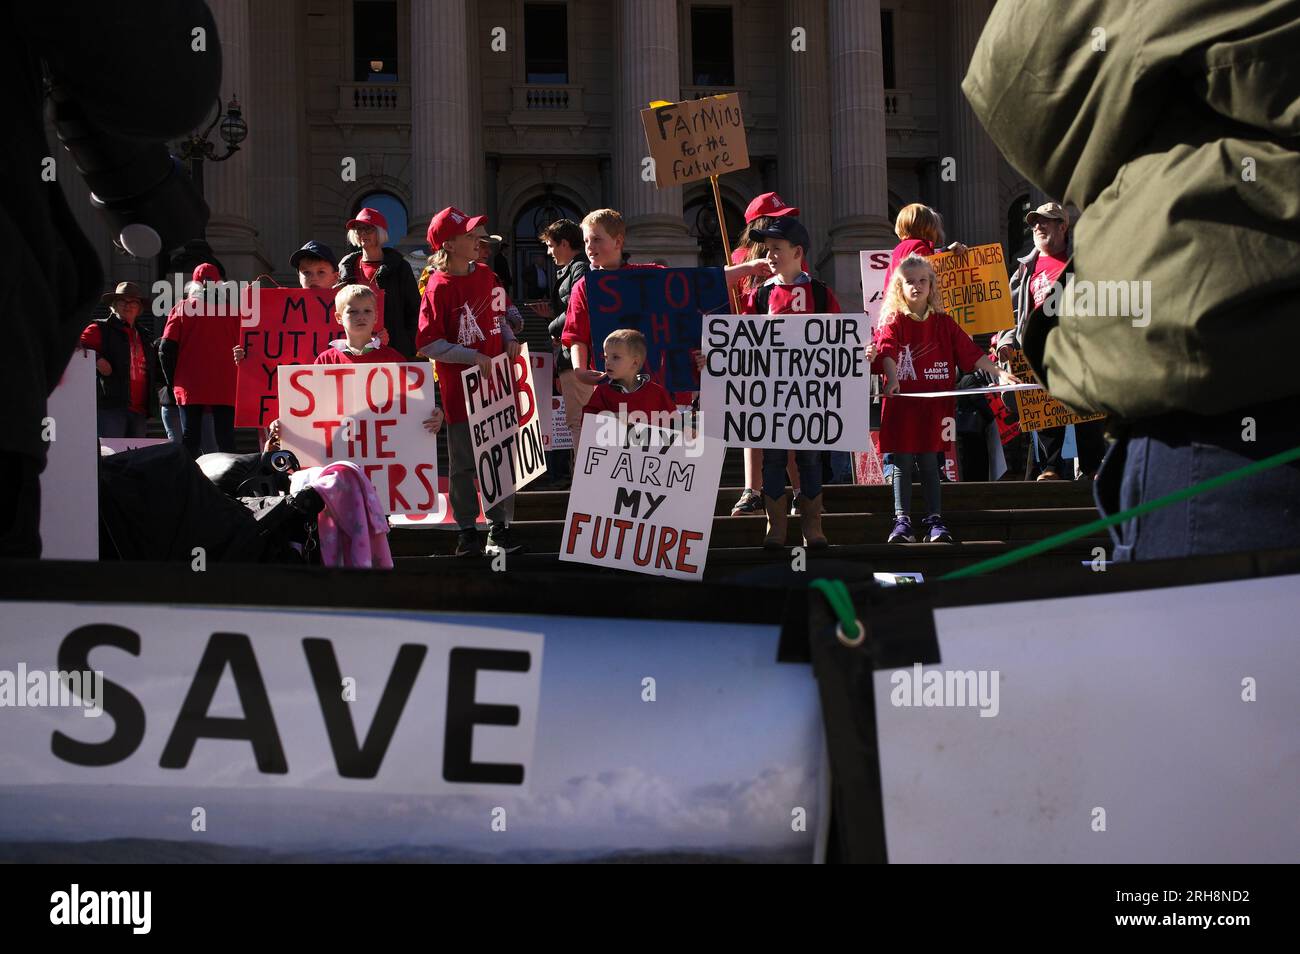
(844, 637)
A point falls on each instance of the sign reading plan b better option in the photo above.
(505, 426)
(372, 415)
(787, 381)
(642, 498)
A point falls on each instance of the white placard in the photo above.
(543, 366)
(561, 436)
(642, 498)
(505, 426)
(70, 481)
(1148, 726)
(787, 381)
(874, 263)
(372, 415)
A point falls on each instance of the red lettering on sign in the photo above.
(575, 528)
(338, 374)
(294, 378)
(677, 303)
(684, 549)
(609, 285)
(370, 389)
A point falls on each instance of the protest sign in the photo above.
(787, 381)
(288, 326)
(696, 139)
(642, 498)
(874, 264)
(665, 305)
(372, 415)
(973, 288)
(1038, 409)
(505, 426)
(561, 436)
(543, 366)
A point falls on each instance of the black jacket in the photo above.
(401, 295)
(115, 348)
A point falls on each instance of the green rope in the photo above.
(1052, 542)
(837, 595)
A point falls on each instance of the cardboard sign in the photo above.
(642, 498)
(974, 289)
(787, 381)
(665, 305)
(696, 139)
(288, 326)
(874, 264)
(543, 366)
(505, 426)
(1038, 409)
(372, 415)
(561, 436)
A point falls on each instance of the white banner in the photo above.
(873, 263)
(642, 498)
(505, 426)
(543, 366)
(787, 381)
(70, 481)
(372, 415)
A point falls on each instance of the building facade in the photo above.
(529, 110)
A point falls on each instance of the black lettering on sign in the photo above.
(463, 713)
(119, 705)
(363, 761)
(258, 724)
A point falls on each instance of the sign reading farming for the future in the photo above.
(800, 381)
(696, 139)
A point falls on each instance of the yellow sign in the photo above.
(974, 288)
(695, 139)
(1038, 409)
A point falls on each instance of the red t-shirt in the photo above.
(205, 364)
(381, 355)
(903, 249)
(577, 321)
(1047, 269)
(796, 299)
(928, 354)
(648, 398)
(93, 339)
(368, 270)
(459, 309)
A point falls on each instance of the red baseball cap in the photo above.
(770, 204)
(206, 273)
(369, 217)
(451, 223)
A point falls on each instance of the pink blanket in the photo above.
(353, 527)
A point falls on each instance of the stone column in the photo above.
(647, 69)
(860, 193)
(277, 161)
(227, 185)
(976, 217)
(804, 173)
(444, 168)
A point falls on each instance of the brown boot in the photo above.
(810, 521)
(778, 514)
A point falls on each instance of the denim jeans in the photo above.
(120, 422)
(809, 463)
(929, 467)
(223, 426)
(1254, 513)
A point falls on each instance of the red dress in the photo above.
(928, 354)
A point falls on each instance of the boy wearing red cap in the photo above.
(462, 323)
(195, 353)
(125, 372)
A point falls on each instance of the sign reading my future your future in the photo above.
(787, 381)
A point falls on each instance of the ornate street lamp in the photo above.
(197, 148)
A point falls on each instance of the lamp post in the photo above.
(197, 148)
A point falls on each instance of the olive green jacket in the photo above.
(1180, 141)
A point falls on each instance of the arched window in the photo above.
(391, 208)
(534, 272)
(702, 221)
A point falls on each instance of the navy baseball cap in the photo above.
(313, 249)
(789, 228)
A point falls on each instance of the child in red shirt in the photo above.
(625, 391)
(462, 323)
(921, 349)
(791, 292)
